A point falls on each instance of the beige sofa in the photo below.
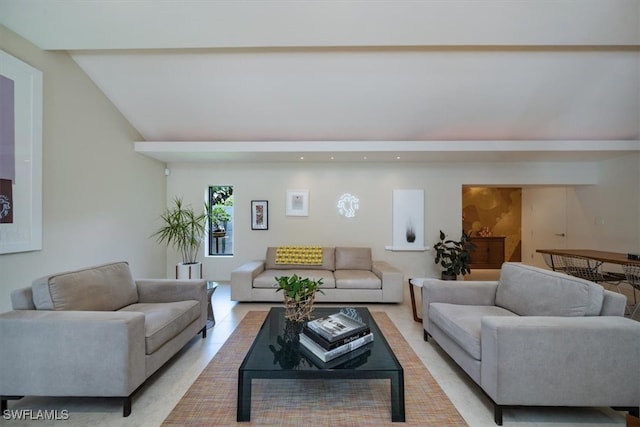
(538, 338)
(95, 332)
(348, 275)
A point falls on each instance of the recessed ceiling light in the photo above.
(332, 158)
(301, 158)
(397, 157)
(365, 157)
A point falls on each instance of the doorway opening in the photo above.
(492, 217)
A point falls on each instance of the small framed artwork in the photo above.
(297, 203)
(259, 215)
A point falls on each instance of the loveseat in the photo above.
(538, 338)
(348, 275)
(95, 332)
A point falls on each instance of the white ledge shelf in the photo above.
(407, 248)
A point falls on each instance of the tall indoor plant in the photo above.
(454, 256)
(184, 229)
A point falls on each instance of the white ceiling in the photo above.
(422, 81)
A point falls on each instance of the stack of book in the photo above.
(335, 335)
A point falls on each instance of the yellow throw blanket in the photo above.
(303, 255)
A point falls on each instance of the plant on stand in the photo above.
(184, 229)
(454, 256)
(299, 296)
(219, 217)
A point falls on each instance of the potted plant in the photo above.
(184, 229)
(219, 217)
(299, 296)
(454, 256)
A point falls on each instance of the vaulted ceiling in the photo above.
(416, 80)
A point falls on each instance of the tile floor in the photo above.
(163, 390)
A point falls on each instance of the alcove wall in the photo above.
(499, 209)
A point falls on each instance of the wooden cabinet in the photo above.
(489, 252)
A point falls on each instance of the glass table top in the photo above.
(276, 348)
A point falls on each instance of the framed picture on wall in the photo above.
(259, 215)
(297, 203)
(20, 156)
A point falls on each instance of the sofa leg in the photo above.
(497, 414)
(4, 400)
(126, 406)
(426, 335)
(204, 332)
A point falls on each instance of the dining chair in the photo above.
(554, 262)
(591, 270)
(632, 272)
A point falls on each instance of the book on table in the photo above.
(337, 327)
(327, 355)
(350, 360)
(329, 345)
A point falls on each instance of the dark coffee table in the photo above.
(376, 361)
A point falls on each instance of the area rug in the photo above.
(211, 400)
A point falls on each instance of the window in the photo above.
(221, 220)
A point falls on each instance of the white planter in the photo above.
(189, 271)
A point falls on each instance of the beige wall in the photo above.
(604, 216)
(100, 198)
(373, 184)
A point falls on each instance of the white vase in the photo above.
(189, 271)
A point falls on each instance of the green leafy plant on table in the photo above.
(299, 296)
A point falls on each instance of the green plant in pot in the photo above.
(454, 256)
(299, 296)
(219, 217)
(184, 229)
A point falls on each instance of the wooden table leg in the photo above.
(413, 303)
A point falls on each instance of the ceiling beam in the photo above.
(152, 24)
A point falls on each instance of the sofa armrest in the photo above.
(561, 361)
(171, 290)
(392, 280)
(242, 280)
(456, 292)
(22, 299)
(71, 353)
(613, 304)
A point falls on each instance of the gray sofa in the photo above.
(95, 332)
(538, 338)
(348, 274)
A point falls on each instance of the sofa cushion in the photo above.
(532, 291)
(357, 279)
(267, 279)
(328, 261)
(463, 323)
(164, 320)
(353, 258)
(103, 288)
